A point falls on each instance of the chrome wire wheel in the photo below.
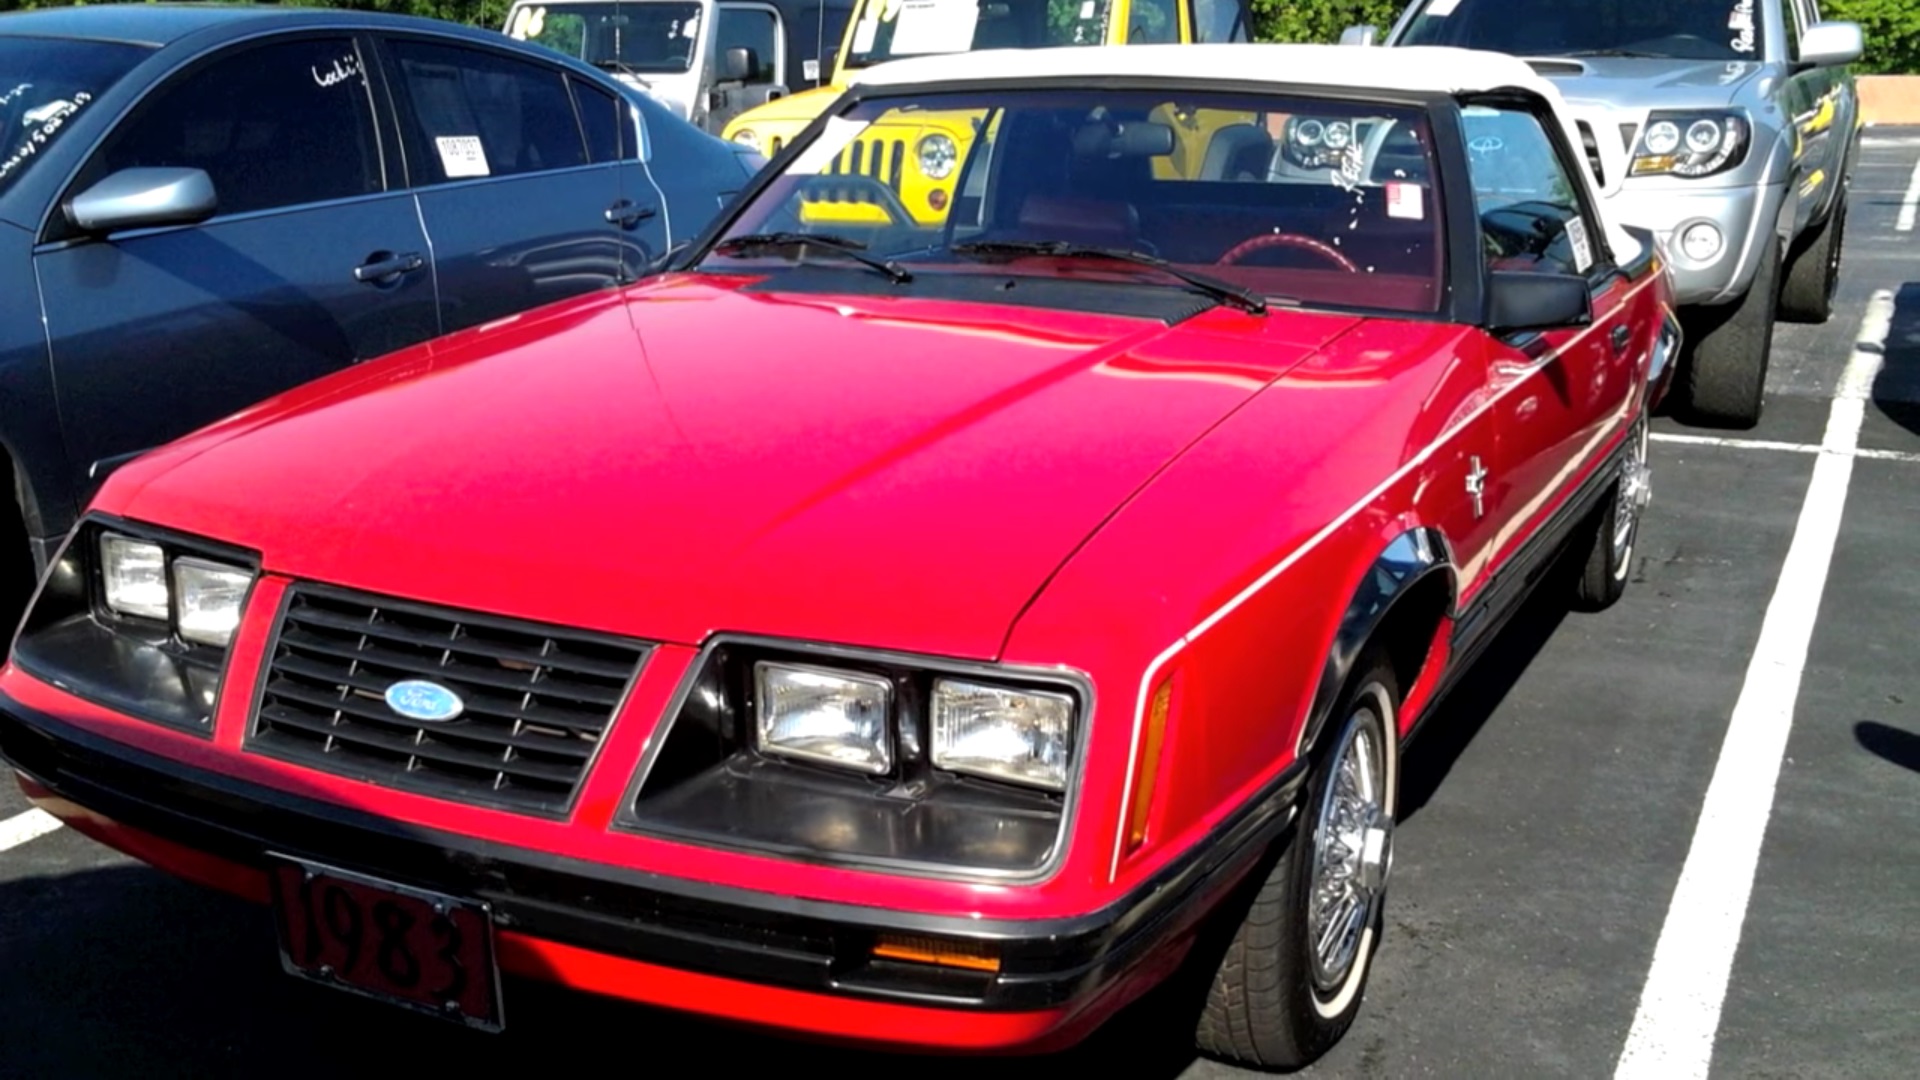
(1353, 849)
(1631, 496)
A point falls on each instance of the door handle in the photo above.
(626, 214)
(381, 266)
(1622, 334)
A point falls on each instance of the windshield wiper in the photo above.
(839, 245)
(1243, 298)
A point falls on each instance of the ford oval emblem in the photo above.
(429, 703)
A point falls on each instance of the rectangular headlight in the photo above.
(1021, 736)
(134, 573)
(832, 717)
(210, 598)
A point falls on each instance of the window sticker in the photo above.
(826, 149)
(935, 26)
(462, 155)
(1582, 246)
(1440, 9)
(1352, 168)
(1086, 10)
(342, 69)
(1406, 201)
(517, 26)
(43, 122)
(1741, 23)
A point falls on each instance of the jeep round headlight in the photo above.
(134, 576)
(210, 596)
(746, 137)
(818, 714)
(937, 156)
(1020, 736)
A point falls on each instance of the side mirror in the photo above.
(739, 65)
(1360, 35)
(1832, 44)
(1521, 300)
(142, 198)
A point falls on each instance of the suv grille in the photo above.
(537, 699)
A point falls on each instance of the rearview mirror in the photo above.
(739, 65)
(1523, 300)
(1832, 44)
(1360, 35)
(1133, 139)
(143, 198)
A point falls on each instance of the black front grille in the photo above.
(876, 158)
(537, 700)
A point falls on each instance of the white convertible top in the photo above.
(1420, 68)
(1411, 69)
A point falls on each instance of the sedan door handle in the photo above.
(382, 266)
(1622, 334)
(626, 214)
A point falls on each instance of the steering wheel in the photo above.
(858, 190)
(1286, 240)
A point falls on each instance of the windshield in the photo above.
(1680, 29)
(43, 85)
(888, 29)
(1300, 200)
(644, 37)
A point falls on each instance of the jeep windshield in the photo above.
(646, 38)
(43, 85)
(1665, 29)
(890, 29)
(1231, 197)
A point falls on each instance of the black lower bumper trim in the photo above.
(717, 930)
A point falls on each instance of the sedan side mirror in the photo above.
(739, 65)
(1523, 300)
(142, 198)
(1360, 35)
(1832, 44)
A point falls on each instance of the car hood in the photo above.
(1637, 84)
(869, 471)
(797, 110)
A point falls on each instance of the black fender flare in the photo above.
(1409, 559)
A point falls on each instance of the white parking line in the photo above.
(1786, 447)
(1679, 1014)
(1909, 206)
(21, 828)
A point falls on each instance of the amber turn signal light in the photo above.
(1147, 769)
(915, 949)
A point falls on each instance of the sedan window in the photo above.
(1683, 29)
(273, 125)
(43, 85)
(480, 113)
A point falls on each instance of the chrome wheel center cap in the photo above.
(1376, 857)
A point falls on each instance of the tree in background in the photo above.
(1892, 27)
(1320, 20)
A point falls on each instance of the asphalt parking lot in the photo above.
(1561, 905)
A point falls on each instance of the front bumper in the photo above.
(798, 965)
(1745, 217)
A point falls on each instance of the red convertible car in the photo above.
(923, 635)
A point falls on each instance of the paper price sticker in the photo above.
(461, 155)
(1582, 245)
(1406, 201)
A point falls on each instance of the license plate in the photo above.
(420, 950)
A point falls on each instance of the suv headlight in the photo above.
(1691, 144)
(1316, 142)
(937, 155)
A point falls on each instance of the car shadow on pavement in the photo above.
(1889, 743)
(1453, 722)
(1896, 391)
(121, 970)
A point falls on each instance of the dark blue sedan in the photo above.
(203, 206)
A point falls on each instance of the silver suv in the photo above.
(1726, 127)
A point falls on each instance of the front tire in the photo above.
(1814, 274)
(1726, 377)
(1290, 982)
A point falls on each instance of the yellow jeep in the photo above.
(918, 163)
